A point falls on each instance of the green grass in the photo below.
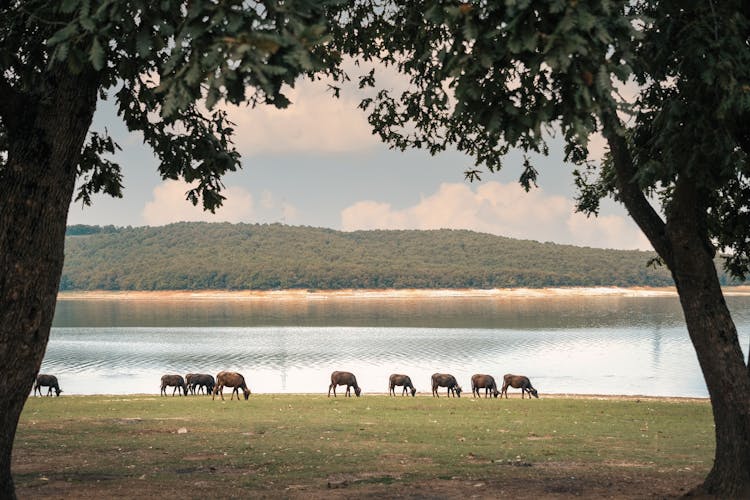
(273, 441)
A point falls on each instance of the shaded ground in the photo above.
(511, 480)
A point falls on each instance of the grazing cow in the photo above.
(230, 379)
(189, 382)
(486, 382)
(175, 381)
(404, 380)
(201, 381)
(445, 380)
(344, 378)
(49, 381)
(518, 382)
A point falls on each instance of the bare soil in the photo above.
(553, 481)
(515, 480)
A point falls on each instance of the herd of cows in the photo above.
(199, 383)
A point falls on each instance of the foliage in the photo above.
(486, 77)
(82, 229)
(167, 64)
(245, 256)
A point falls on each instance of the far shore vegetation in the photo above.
(311, 446)
(224, 256)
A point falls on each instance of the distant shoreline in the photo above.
(385, 294)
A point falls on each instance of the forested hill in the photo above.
(196, 255)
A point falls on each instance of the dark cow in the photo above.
(230, 379)
(486, 382)
(445, 380)
(400, 380)
(518, 382)
(49, 381)
(175, 381)
(344, 378)
(200, 381)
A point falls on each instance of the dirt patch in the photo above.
(549, 480)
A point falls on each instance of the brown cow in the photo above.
(49, 381)
(518, 382)
(445, 380)
(486, 382)
(175, 381)
(230, 379)
(344, 378)
(404, 380)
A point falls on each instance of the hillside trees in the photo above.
(199, 255)
(489, 76)
(166, 64)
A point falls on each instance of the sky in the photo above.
(317, 164)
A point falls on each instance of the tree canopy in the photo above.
(671, 82)
(167, 64)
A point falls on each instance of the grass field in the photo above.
(311, 446)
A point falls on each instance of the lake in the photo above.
(606, 344)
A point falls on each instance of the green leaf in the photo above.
(69, 6)
(62, 34)
(143, 43)
(96, 55)
(87, 23)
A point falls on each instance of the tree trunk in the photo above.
(36, 188)
(684, 246)
(717, 346)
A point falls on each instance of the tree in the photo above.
(167, 64)
(489, 76)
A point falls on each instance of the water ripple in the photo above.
(563, 351)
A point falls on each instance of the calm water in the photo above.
(592, 345)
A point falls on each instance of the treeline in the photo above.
(197, 255)
(83, 229)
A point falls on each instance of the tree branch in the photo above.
(630, 193)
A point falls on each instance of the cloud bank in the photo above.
(169, 205)
(501, 209)
(315, 122)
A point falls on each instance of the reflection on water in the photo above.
(594, 345)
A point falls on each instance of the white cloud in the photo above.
(169, 205)
(502, 209)
(314, 122)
